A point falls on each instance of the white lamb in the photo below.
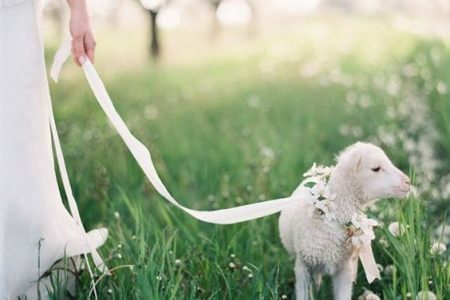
(362, 174)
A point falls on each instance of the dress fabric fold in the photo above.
(36, 229)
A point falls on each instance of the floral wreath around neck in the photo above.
(318, 194)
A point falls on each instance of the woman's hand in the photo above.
(83, 43)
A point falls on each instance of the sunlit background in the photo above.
(186, 29)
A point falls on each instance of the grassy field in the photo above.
(241, 123)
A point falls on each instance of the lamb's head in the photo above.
(370, 172)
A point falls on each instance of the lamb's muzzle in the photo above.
(362, 174)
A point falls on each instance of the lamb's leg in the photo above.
(318, 280)
(302, 278)
(343, 281)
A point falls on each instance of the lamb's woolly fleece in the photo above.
(322, 245)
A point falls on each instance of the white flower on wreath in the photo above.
(361, 228)
(320, 190)
(327, 208)
(317, 192)
(318, 170)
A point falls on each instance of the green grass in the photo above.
(207, 121)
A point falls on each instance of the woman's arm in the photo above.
(83, 43)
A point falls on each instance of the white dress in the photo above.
(36, 230)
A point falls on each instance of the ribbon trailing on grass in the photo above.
(143, 157)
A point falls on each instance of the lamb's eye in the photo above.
(377, 169)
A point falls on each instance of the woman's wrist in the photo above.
(83, 42)
(78, 9)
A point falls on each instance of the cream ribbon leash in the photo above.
(368, 262)
(143, 158)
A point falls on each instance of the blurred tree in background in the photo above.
(154, 7)
(216, 15)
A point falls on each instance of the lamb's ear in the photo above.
(350, 159)
(358, 160)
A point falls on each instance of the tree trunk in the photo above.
(154, 36)
(215, 26)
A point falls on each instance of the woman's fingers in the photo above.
(78, 50)
(89, 45)
(83, 46)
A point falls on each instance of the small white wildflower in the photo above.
(368, 295)
(232, 255)
(232, 265)
(151, 112)
(250, 275)
(178, 262)
(384, 242)
(110, 291)
(396, 229)
(133, 237)
(267, 152)
(438, 248)
(441, 87)
(245, 268)
(426, 295)
(116, 215)
(408, 295)
(119, 256)
(364, 102)
(253, 101)
(119, 246)
(159, 278)
(413, 192)
(443, 230)
(380, 267)
(410, 70)
(389, 270)
(284, 296)
(344, 130)
(372, 297)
